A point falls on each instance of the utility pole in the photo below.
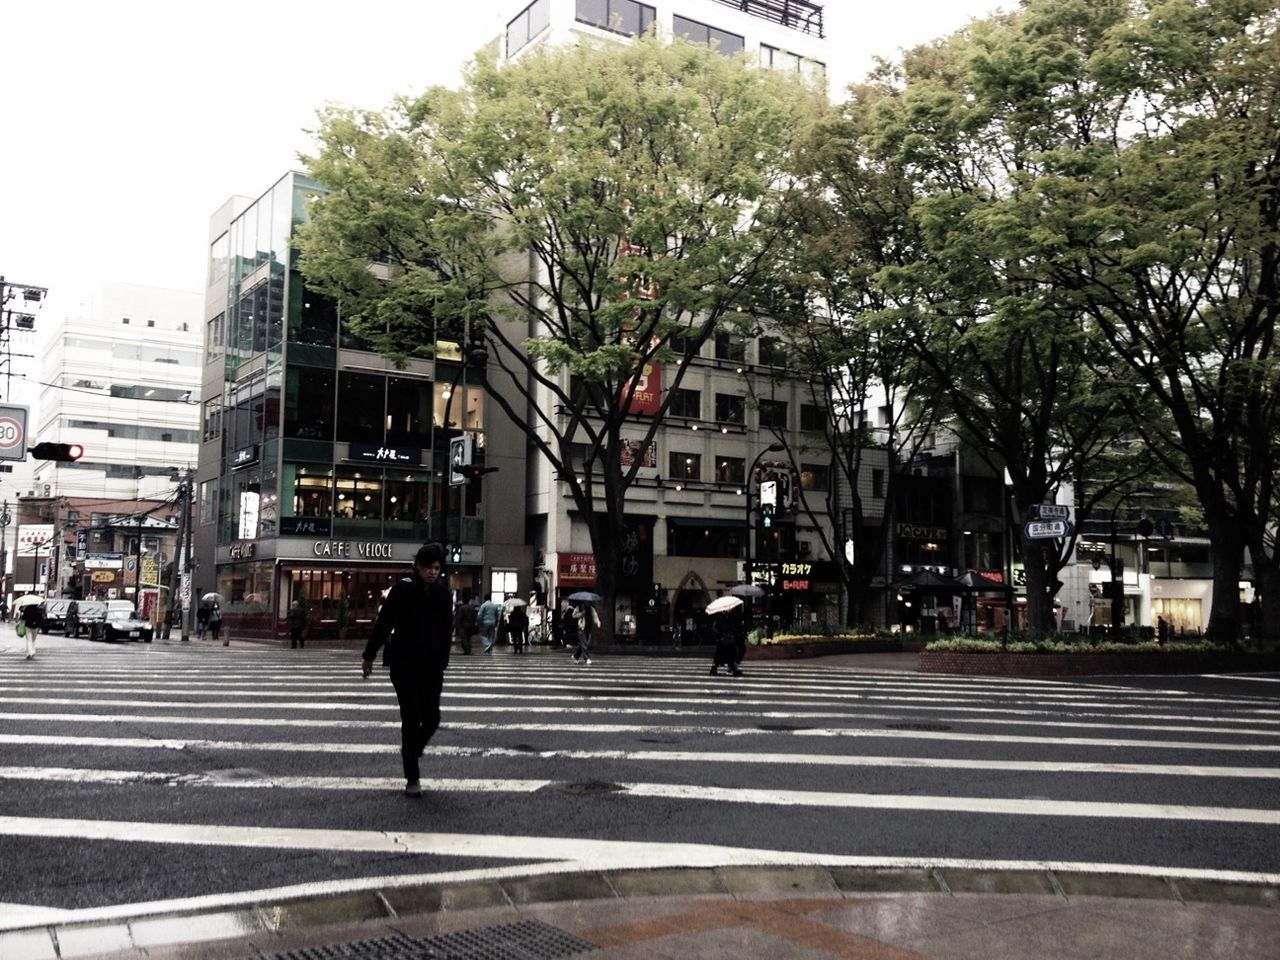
(181, 559)
(188, 613)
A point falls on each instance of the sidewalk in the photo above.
(800, 912)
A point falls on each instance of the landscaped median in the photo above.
(789, 646)
(1056, 658)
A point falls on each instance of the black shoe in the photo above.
(715, 672)
(737, 673)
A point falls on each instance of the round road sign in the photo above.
(12, 435)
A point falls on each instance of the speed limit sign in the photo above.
(13, 432)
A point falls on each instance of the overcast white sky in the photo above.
(127, 123)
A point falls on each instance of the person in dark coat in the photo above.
(518, 628)
(726, 644)
(464, 624)
(415, 625)
(297, 623)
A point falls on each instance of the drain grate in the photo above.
(526, 940)
(396, 947)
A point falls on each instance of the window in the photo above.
(308, 399)
(813, 417)
(773, 414)
(621, 16)
(877, 483)
(695, 32)
(530, 22)
(213, 338)
(729, 408)
(779, 59)
(361, 412)
(312, 489)
(684, 466)
(684, 346)
(772, 353)
(731, 470)
(686, 403)
(814, 476)
(409, 412)
(208, 504)
(219, 259)
(730, 348)
(359, 493)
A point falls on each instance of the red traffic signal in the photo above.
(57, 451)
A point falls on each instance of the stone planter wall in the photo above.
(1084, 664)
(818, 648)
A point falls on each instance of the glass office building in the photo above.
(322, 466)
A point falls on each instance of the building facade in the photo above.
(323, 467)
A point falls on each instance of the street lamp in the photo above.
(1117, 571)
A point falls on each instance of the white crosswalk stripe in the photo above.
(201, 753)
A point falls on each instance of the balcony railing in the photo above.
(797, 14)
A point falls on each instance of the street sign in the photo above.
(13, 432)
(769, 493)
(1052, 511)
(1046, 529)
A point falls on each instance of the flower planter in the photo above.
(803, 649)
(1085, 664)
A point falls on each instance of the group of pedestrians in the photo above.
(492, 623)
(209, 622)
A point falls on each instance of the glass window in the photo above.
(729, 408)
(219, 259)
(409, 412)
(877, 483)
(773, 414)
(208, 502)
(730, 348)
(213, 418)
(308, 411)
(309, 488)
(771, 352)
(731, 469)
(814, 476)
(408, 497)
(360, 415)
(686, 403)
(621, 16)
(313, 317)
(528, 23)
(695, 32)
(684, 466)
(213, 338)
(359, 493)
(813, 417)
(684, 346)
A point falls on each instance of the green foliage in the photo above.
(819, 638)
(1045, 645)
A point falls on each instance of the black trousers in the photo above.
(418, 692)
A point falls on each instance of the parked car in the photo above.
(54, 614)
(120, 625)
(81, 616)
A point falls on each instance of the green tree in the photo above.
(1164, 222)
(1001, 347)
(582, 209)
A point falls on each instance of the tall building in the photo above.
(323, 465)
(690, 530)
(122, 383)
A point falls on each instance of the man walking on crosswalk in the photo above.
(416, 625)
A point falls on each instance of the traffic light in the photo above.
(455, 553)
(57, 451)
(766, 515)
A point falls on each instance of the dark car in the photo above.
(81, 616)
(54, 614)
(120, 625)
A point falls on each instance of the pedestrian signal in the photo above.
(766, 515)
(57, 451)
(455, 553)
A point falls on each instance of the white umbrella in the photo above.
(509, 605)
(724, 605)
(26, 600)
(211, 598)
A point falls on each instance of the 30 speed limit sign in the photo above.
(13, 432)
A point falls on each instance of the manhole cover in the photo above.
(586, 787)
(922, 727)
(526, 940)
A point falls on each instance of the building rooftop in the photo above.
(797, 14)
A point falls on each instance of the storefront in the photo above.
(341, 583)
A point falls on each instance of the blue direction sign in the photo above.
(1047, 529)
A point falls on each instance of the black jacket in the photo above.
(416, 624)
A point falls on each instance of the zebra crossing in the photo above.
(174, 776)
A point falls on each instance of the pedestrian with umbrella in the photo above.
(726, 614)
(585, 621)
(30, 620)
(517, 624)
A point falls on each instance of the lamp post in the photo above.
(1117, 569)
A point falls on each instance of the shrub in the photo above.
(1046, 645)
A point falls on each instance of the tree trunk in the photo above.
(1225, 549)
(1040, 587)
